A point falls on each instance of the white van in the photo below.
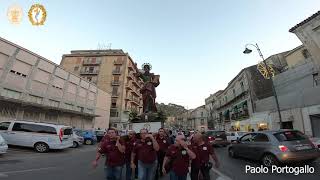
(40, 136)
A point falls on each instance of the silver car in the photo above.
(3, 145)
(77, 140)
(274, 147)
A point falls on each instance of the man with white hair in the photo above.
(177, 159)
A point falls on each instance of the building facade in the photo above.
(35, 89)
(211, 105)
(197, 119)
(308, 31)
(112, 71)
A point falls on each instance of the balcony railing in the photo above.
(136, 83)
(131, 76)
(128, 86)
(92, 62)
(118, 62)
(130, 66)
(115, 83)
(86, 71)
(115, 94)
(117, 72)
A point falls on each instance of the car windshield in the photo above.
(290, 136)
(214, 133)
(241, 133)
(99, 133)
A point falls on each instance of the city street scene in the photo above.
(160, 90)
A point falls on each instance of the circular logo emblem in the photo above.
(184, 152)
(149, 143)
(164, 141)
(204, 148)
(37, 14)
(15, 14)
(147, 126)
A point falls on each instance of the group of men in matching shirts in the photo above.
(152, 156)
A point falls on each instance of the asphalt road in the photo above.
(75, 164)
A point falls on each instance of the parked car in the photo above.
(3, 145)
(275, 147)
(316, 141)
(100, 134)
(217, 138)
(77, 140)
(235, 135)
(41, 136)
(89, 137)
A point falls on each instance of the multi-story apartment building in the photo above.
(211, 105)
(35, 89)
(113, 71)
(198, 119)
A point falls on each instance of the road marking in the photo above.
(222, 176)
(26, 170)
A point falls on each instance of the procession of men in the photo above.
(152, 156)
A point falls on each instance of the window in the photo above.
(115, 91)
(247, 138)
(115, 125)
(226, 98)
(117, 69)
(305, 53)
(18, 73)
(11, 94)
(4, 125)
(33, 128)
(53, 103)
(89, 79)
(290, 136)
(242, 86)
(234, 92)
(35, 99)
(202, 121)
(260, 138)
(130, 126)
(113, 103)
(114, 113)
(91, 69)
(201, 114)
(316, 79)
(76, 68)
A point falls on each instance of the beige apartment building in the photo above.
(35, 89)
(112, 71)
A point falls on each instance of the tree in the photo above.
(133, 116)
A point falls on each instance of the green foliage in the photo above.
(170, 109)
(133, 116)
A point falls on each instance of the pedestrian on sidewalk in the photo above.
(204, 153)
(177, 159)
(146, 150)
(129, 148)
(164, 143)
(114, 149)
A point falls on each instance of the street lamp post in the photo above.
(248, 51)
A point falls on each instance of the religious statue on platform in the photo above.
(148, 90)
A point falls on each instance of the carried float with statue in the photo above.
(149, 119)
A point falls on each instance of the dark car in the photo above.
(216, 137)
(275, 147)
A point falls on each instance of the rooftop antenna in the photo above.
(104, 46)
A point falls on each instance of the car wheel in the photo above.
(41, 147)
(75, 144)
(88, 142)
(268, 160)
(231, 153)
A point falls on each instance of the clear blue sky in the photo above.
(195, 45)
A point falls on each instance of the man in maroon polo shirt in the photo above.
(129, 148)
(164, 143)
(114, 149)
(178, 157)
(204, 152)
(146, 150)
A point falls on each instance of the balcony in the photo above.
(116, 72)
(136, 93)
(86, 71)
(136, 83)
(91, 62)
(128, 86)
(130, 66)
(115, 95)
(118, 62)
(115, 83)
(129, 98)
(131, 76)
